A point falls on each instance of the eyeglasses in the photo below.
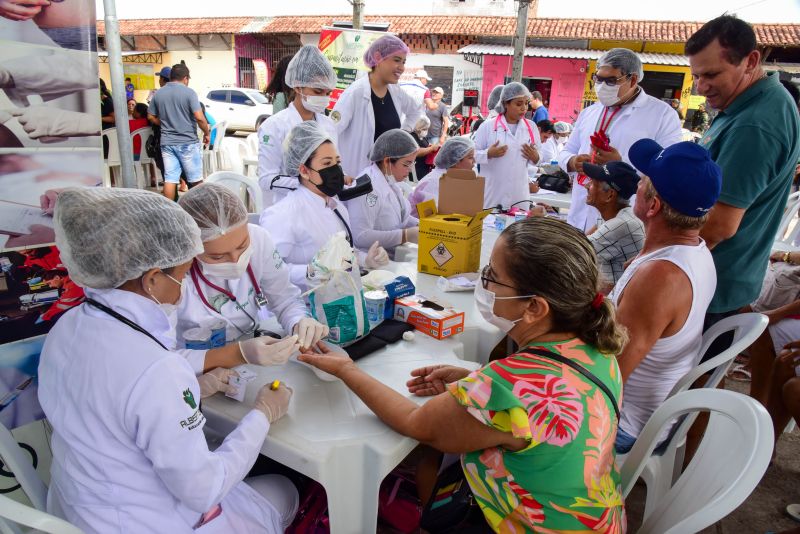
(485, 280)
(406, 164)
(610, 81)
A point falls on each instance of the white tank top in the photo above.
(674, 356)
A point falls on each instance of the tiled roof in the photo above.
(631, 30)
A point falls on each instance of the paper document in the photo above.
(17, 219)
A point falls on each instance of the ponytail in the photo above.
(601, 330)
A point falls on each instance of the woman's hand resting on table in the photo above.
(433, 380)
(325, 359)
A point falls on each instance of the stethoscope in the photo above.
(499, 121)
(121, 318)
(260, 299)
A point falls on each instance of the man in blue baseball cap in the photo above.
(663, 295)
(620, 236)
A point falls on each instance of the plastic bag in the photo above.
(336, 296)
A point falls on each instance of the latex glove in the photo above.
(46, 121)
(216, 380)
(376, 256)
(267, 350)
(309, 331)
(273, 403)
(411, 234)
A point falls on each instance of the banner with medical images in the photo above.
(50, 114)
(345, 50)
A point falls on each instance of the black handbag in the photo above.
(557, 181)
(452, 507)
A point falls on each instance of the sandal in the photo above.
(739, 373)
(794, 511)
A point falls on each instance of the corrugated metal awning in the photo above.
(648, 58)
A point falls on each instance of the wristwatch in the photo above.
(787, 258)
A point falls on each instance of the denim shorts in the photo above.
(624, 442)
(186, 158)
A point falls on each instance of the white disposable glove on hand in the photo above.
(376, 256)
(267, 350)
(273, 403)
(309, 331)
(412, 234)
(216, 380)
(46, 121)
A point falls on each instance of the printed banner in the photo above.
(262, 74)
(345, 50)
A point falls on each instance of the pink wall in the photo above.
(568, 78)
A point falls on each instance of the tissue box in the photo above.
(449, 244)
(428, 316)
(397, 288)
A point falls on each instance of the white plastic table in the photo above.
(551, 198)
(330, 436)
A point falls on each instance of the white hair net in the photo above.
(453, 150)
(561, 127)
(310, 68)
(383, 48)
(216, 209)
(494, 97)
(514, 90)
(395, 143)
(301, 142)
(109, 236)
(627, 61)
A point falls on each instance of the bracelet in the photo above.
(787, 258)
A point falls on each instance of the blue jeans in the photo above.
(624, 441)
(187, 158)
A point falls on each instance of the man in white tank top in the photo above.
(663, 294)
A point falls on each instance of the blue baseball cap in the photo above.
(683, 174)
(165, 72)
(619, 175)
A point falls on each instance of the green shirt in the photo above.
(566, 479)
(756, 142)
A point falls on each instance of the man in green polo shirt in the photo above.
(754, 138)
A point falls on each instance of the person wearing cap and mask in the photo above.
(307, 217)
(605, 131)
(124, 408)
(553, 144)
(418, 90)
(505, 146)
(456, 153)
(384, 215)
(239, 277)
(313, 79)
(374, 104)
(493, 101)
(621, 235)
(663, 295)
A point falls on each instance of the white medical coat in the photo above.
(283, 297)
(129, 454)
(355, 122)
(271, 135)
(549, 151)
(426, 189)
(381, 215)
(300, 225)
(646, 117)
(507, 179)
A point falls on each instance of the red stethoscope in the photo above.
(261, 300)
(499, 121)
(600, 138)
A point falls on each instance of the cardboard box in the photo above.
(461, 191)
(449, 244)
(428, 316)
(401, 286)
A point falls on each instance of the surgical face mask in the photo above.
(229, 270)
(171, 310)
(332, 180)
(607, 95)
(315, 103)
(485, 299)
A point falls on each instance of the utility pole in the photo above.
(520, 38)
(358, 14)
(118, 93)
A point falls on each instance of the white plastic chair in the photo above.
(113, 159)
(244, 186)
(232, 154)
(212, 155)
(145, 166)
(729, 463)
(16, 461)
(785, 238)
(252, 146)
(663, 468)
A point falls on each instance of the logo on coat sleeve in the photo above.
(336, 116)
(188, 398)
(372, 199)
(265, 139)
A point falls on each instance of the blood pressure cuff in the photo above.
(386, 333)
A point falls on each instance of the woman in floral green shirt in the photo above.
(536, 435)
